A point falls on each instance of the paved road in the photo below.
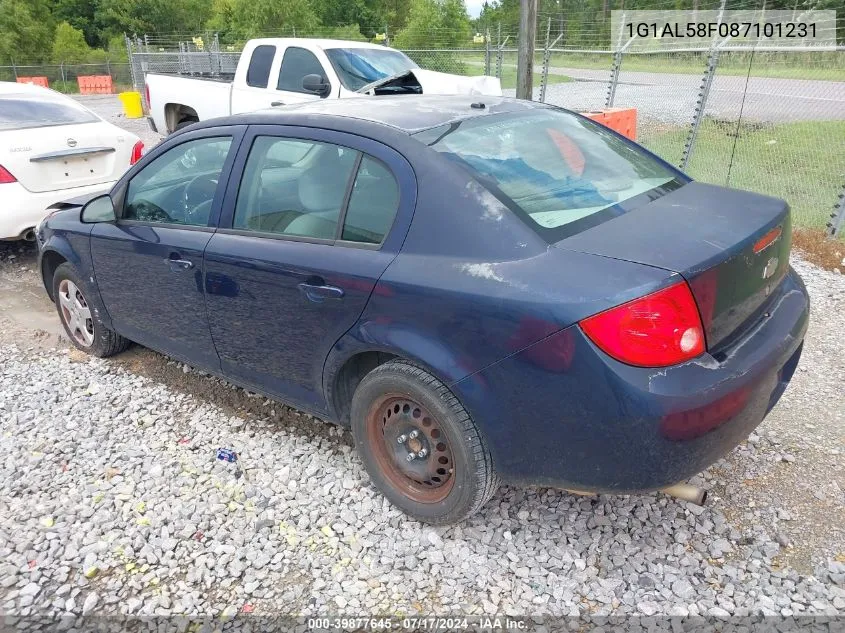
(671, 98)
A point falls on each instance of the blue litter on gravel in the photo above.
(227, 455)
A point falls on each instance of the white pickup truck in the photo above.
(278, 71)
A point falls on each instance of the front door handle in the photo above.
(273, 104)
(319, 293)
(178, 264)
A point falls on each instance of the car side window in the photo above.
(258, 72)
(296, 63)
(178, 187)
(294, 187)
(372, 203)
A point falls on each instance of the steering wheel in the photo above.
(197, 197)
(148, 211)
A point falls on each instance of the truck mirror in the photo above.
(316, 84)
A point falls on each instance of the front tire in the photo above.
(420, 446)
(81, 322)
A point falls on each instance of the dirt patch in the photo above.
(819, 248)
(231, 399)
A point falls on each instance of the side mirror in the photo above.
(317, 85)
(99, 209)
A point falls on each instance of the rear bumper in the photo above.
(562, 413)
(21, 209)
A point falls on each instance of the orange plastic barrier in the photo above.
(95, 84)
(38, 81)
(623, 120)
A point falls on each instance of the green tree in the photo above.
(393, 13)
(252, 18)
(435, 24)
(345, 32)
(185, 17)
(82, 15)
(222, 16)
(25, 31)
(69, 45)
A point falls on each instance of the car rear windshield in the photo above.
(357, 67)
(20, 111)
(561, 173)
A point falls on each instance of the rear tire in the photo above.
(81, 322)
(400, 410)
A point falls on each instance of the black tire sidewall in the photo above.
(462, 497)
(67, 271)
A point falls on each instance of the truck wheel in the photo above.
(185, 123)
(82, 323)
(420, 446)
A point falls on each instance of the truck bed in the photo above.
(171, 96)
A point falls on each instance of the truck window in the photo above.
(297, 63)
(258, 73)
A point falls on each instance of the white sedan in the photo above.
(53, 148)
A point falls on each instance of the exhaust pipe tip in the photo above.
(28, 235)
(687, 492)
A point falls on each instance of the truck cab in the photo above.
(273, 72)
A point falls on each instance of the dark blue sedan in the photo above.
(484, 289)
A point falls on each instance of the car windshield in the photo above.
(357, 67)
(21, 111)
(559, 172)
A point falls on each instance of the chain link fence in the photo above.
(769, 121)
(62, 76)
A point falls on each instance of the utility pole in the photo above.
(525, 59)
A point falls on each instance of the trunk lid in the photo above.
(53, 158)
(731, 246)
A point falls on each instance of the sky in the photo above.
(474, 7)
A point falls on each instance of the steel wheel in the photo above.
(75, 313)
(410, 448)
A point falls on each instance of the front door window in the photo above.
(178, 187)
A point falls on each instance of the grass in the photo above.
(819, 66)
(823, 66)
(508, 78)
(803, 163)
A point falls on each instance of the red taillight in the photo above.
(5, 176)
(137, 152)
(658, 330)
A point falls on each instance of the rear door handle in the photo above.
(178, 264)
(318, 294)
(273, 104)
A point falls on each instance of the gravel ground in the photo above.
(112, 501)
(671, 98)
(109, 107)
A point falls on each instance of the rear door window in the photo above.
(294, 187)
(21, 111)
(372, 203)
(258, 73)
(297, 63)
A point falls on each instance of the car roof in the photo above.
(12, 87)
(408, 113)
(320, 43)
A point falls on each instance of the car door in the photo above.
(148, 263)
(297, 63)
(303, 239)
(252, 89)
